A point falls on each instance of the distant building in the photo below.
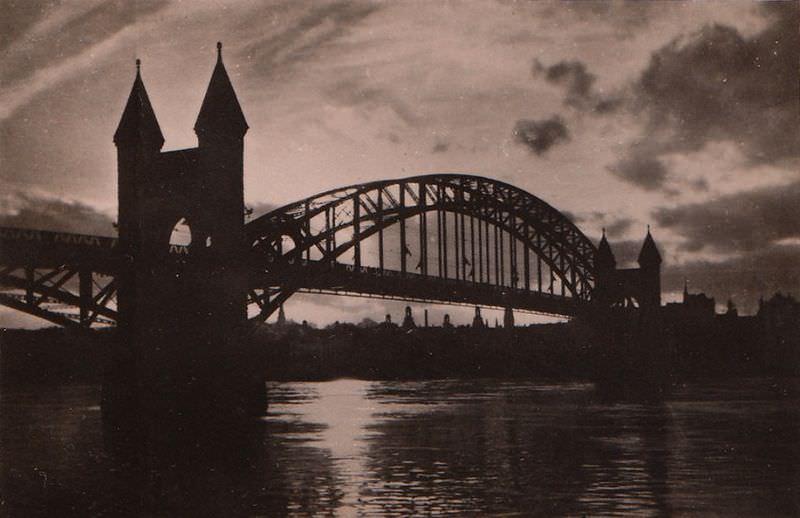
(408, 320)
(387, 322)
(281, 316)
(446, 322)
(779, 310)
(779, 328)
(477, 320)
(695, 307)
(508, 318)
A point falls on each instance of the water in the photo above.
(430, 448)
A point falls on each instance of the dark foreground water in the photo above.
(457, 448)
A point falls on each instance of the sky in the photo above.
(684, 116)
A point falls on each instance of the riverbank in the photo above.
(725, 348)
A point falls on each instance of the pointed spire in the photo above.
(604, 257)
(138, 124)
(649, 255)
(220, 114)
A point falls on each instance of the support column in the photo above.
(423, 231)
(539, 262)
(496, 258)
(472, 246)
(526, 259)
(85, 289)
(403, 246)
(30, 279)
(380, 229)
(480, 250)
(356, 232)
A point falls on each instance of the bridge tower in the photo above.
(182, 316)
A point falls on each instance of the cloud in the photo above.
(747, 221)
(714, 85)
(351, 91)
(619, 226)
(578, 82)
(304, 34)
(541, 135)
(440, 147)
(717, 85)
(45, 213)
(571, 74)
(645, 172)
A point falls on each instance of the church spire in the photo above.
(138, 124)
(220, 115)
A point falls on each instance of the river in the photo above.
(428, 448)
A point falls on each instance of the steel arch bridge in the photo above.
(458, 239)
(444, 238)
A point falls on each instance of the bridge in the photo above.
(507, 249)
(446, 238)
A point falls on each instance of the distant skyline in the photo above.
(681, 115)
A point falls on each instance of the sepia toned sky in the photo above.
(681, 115)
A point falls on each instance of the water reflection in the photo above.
(435, 448)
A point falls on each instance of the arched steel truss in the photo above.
(368, 209)
(66, 295)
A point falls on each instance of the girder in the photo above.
(69, 295)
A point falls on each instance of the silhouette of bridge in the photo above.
(495, 245)
(448, 238)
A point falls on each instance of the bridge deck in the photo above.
(348, 279)
(64, 253)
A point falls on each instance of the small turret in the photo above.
(604, 257)
(650, 273)
(138, 126)
(649, 255)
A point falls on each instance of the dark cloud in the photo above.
(619, 226)
(29, 211)
(440, 147)
(720, 86)
(575, 77)
(541, 135)
(747, 221)
(646, 172)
